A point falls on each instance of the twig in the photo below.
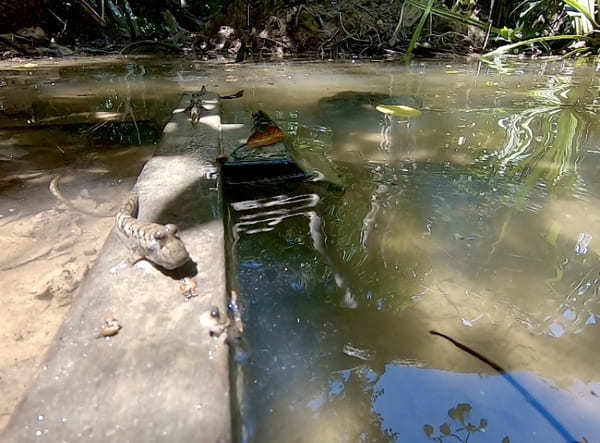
(64, 23)
(395, 34)
(342, 25)
(298, 14)
(366, 47)
(365, 9)
(487, 35)
(248, 14)
(322, 45)
(92, 12)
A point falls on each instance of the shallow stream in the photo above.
(478, 219)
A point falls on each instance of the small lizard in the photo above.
(158, 243)
(196, 106)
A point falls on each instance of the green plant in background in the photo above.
(524, 21)
(582, 16)
(504, 32)
(428, 9)
(418, 29)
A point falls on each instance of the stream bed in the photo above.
(477, 219)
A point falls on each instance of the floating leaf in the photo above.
(445, 429)
(506, 440)
(482, 424)
(399, 110)
(27, 65)
(452, 71)
(428, 430)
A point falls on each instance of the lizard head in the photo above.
(168, 251)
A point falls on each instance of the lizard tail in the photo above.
(130, 207)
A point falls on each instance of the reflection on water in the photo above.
(478, 219)
(403, 398)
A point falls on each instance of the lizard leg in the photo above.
(134, 257)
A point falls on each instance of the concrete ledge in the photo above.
(163, 377)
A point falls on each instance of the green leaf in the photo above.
(398, 110)
(460, 412)
(449, 15)
(506, 48)
(583, 10)
(453, 414)
(418, 29)
(445, 429)
(428, 430)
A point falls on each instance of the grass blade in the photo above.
(417, 33)
(449, 15)
(503, 49)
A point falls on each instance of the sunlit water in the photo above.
(478, 219)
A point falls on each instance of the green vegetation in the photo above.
(259, 28)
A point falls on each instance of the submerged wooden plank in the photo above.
(163, 377)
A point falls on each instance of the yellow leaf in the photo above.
(398, 110)
(452, 72)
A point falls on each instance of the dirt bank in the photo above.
(49, 246)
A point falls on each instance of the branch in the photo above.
(92, 12)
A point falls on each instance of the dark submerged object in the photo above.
(261, 171)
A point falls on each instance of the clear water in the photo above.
(478, 219)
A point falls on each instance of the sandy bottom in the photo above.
(47, 247)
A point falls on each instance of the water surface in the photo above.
(478, 219)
